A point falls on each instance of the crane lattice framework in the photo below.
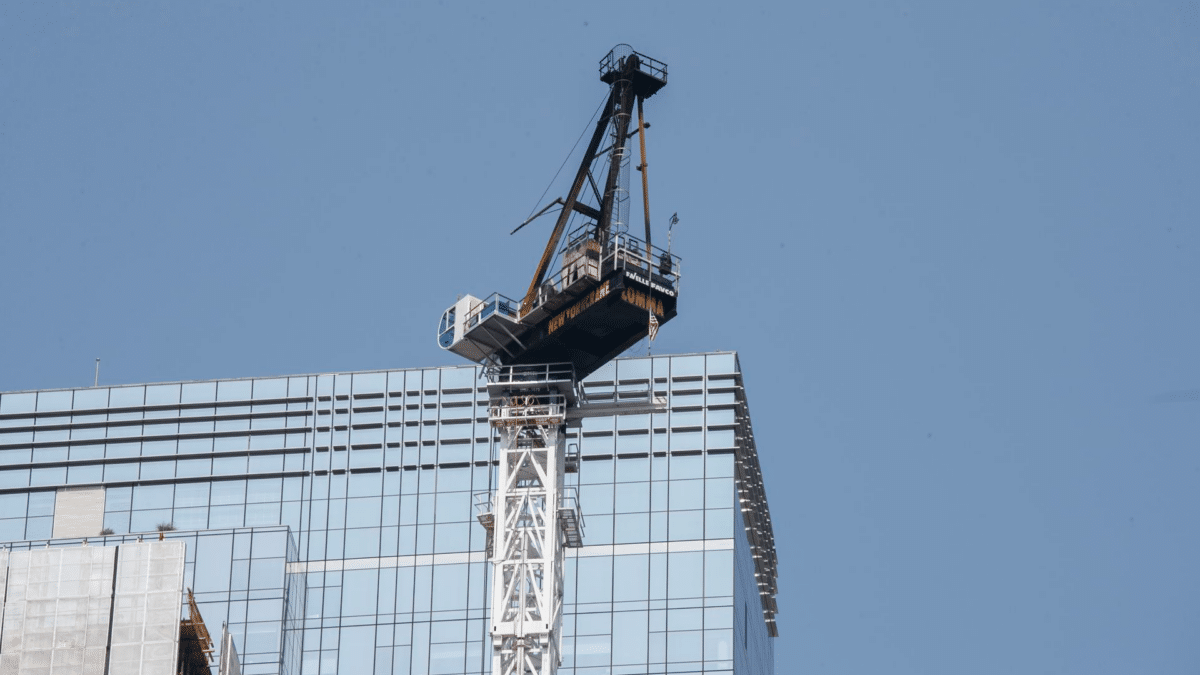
(532, 517)
(610, 290)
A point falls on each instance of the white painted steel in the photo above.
(528, 517)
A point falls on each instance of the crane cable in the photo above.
(568, 157)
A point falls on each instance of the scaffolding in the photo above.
(195, 644)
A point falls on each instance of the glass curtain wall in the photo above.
(374, 474)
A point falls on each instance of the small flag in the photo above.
(653, 327)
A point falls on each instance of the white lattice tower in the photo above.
(527, 582)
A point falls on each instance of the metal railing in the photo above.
(615, 58)
(483, 503)
(520, 410)
(541, 372)
(631, 252)
(569, 500)
(493, 304)
(594, 260)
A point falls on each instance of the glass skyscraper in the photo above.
(330, 519)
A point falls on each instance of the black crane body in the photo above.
(611, 289)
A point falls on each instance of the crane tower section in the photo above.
(610, 290)
(608, 284)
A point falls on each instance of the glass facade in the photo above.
(329, 518)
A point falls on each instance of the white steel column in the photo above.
(530, 517)
(528, 546)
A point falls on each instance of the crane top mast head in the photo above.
(646, 74)
(611, 288)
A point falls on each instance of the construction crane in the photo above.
(610, 290)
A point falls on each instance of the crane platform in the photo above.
(595, 307)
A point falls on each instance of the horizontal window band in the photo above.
(145, 421)
(156, 408)
(387, 562)
(161, 437)
(215, 454)
(161, 481)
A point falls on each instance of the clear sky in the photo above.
(955, 244)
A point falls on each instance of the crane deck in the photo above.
(597, 306)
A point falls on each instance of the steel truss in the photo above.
(531, 517)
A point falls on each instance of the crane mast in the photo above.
(609, 291)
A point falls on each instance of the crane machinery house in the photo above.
(548, 508)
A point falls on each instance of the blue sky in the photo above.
(954, 244)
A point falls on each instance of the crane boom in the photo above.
(589, 156)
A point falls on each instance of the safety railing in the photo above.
(522, 410)
(571, 458)
(571, 516)
(493, 304)
(632, 253)
(541, 372)
(585, 255)
(483, 503)
(570, 500)
(615, 59)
